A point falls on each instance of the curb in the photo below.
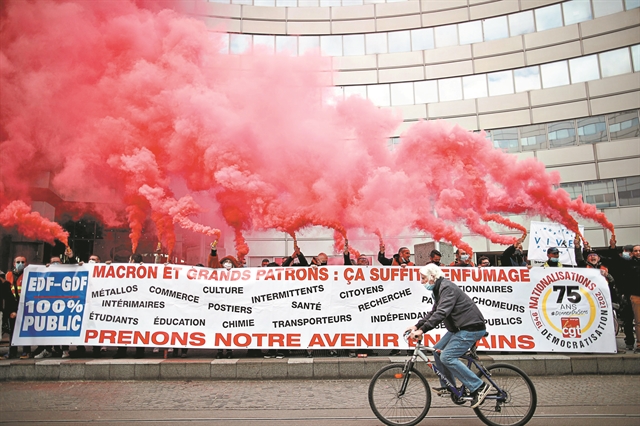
(289, 368)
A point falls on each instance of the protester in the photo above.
(553, 256)
(462, 259)
(121, 352)
(296, 258)
(265, 263)
(11, 296)
(402, 258)
(227, 262)
(483, 262)
(434, 257)
(627, 269)
(97, 351)
(514, 255)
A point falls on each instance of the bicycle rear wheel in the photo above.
(516, 405)
(395, 410)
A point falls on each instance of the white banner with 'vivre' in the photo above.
(543, 310)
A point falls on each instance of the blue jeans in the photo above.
(453, 346)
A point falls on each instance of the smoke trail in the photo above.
(32, 224)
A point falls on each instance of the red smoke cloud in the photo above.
(121, 103)
(31, 224)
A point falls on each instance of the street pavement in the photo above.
(611, 400)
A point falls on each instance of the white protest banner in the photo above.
(543, 309)
(543, 235)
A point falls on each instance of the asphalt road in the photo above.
(562, 400)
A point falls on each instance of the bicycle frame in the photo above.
(471, 358)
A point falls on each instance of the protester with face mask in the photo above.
(12, 290)
(553, 256)
(514, 255)
(402, 258)
(626, 267)
(463, 259)
(228, 263)
(465, 325)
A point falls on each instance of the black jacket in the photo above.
(453, 306)
(508, 258)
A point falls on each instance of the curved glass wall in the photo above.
(411, 40)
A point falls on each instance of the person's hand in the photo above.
(410, 329)
(47, 265)
(612, 241)
(604, 273)
(382, 248)
(214, 244)
(81, 263)
(587, 246)
(403, 265)
(416, 334)
(108, 262)
(12, 315)
(346, 246)
(576, 241)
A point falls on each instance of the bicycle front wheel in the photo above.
(392, 408)
(517, 402)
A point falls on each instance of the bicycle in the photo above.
(399, 394)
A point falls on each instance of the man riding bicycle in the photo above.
(465, 325)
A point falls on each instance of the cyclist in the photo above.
(465, 325)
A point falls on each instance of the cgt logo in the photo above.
(571, 327)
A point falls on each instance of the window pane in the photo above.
(376, 43)
(264, 2)
(450, 89)
(576, 11)
(600, 193)
(286, 3)
(308, 43)
(331, 45)
(574, 189)
(615, 62)
(506, 139)
(555, 74)
(500, 83)
(533, 137)
(584, 69)
(325, 3)
(264, 43)
(426, 92)
(474, 86)
(446, 35)
(355, 91)
(527, 78)
(562, 133)
(239, 43)
(606, 7)
(402, 94)
(470, 32)
(521, 23)
(629, 191)
(548, 17)
(353, 44)
(624, 125)
(379, 94)
(399, 41)
(631, 4)
(495, 28)
(222, 39)
(635, 55)
(592, 130)
(422, 39)
(287, 44)
(308, 3)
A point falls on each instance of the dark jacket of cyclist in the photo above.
(452, 306)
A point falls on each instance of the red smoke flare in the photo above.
(32, 224)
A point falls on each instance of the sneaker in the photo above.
(441, 391)
(636, 350)
(156, 350)
(279, 355)
(333, 353)
(65, 354)
(103, 349)
(5, 356)
(480, 395)
(309, 354)
(219, 355)
(352, 354)
(44, 354)
(268, 356)
(25, 355)
(228, 354)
